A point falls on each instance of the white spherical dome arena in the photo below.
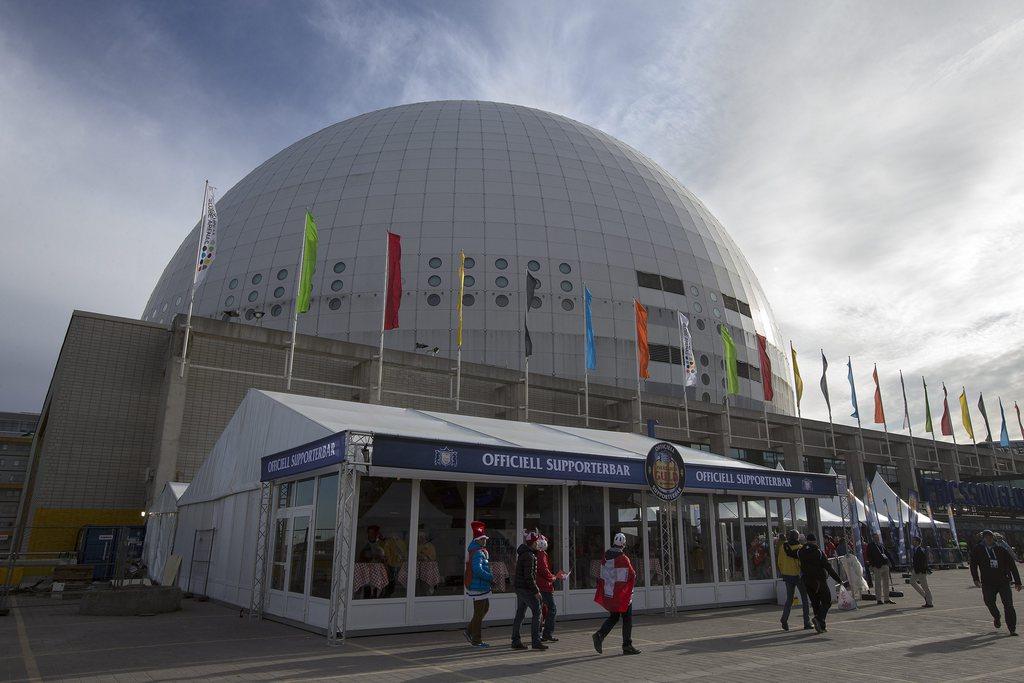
(518, 189)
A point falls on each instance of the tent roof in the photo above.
(883, 494)
(167, 501)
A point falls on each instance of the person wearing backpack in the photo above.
(816, 569)
(477, 581)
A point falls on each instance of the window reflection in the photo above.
(624, 510)
(586, 534)
(696, 537)
(280, 557)
(443, 521)
(542, 510)
(654, 513)
(382, 549)
(730, 553)
(300, 545)
(755, 524)
(495, 506)
(323, 536)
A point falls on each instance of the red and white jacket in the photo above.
(615, 582)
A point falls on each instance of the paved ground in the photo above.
(954, 641)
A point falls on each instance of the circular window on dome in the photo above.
(230, 301)
(700, 324)
(257, 278)
(433, 299)
(233, 284)
(564, 268)
(694, 291)
(568, 305)
(501, 281)
(470, 280)
(697, 307)
(334, 304)
(253, 295)
(536, 302)
(705, 379)
(434, 263)
(566, 286)
(337, 285)
(501, 300)
(704, 361)
(718, 313)
(468, 299)
(249, 314)
(533, 265)
(434, 280)
(500, 264)
(177, 301)
(275, 310)
(339, 267)
(706, 397)
(712, 296)
(282, 274)
(470, 262)
(164, 307)
(279, 292)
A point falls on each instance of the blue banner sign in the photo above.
(940, 493)
(507, 462)
(329, 450)
(762, 481)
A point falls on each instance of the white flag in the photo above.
(689, 364)
(207, 236)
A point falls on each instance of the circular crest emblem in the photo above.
(664, 471)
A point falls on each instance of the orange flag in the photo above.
(643, 352)
(879, 410)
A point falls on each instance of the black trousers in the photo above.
(526, 598)
(627, 625)
(548, 600)
(1005, 593)
(820, 598)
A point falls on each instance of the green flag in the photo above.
(308, 264)
(731, 372)
(927, 410)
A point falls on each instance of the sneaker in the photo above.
(998, 621)
(808, 627)
(549, 639)
(817, 625)
(878, 602)
(519, 646)
(1013, 633)
(597, 642)
(481, 644)
(928, 605)
(890, 602)
(785, 624)
(538, 646)
(630, 650)
(469, 638)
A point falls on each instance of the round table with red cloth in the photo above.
(499, 576)
(369, 574)
(427, 571)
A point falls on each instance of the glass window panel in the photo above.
(654, 513)
(542, 509)
(323, 536)
(284, 493)
(443, 522)
(755, 524)
(495, 506)
(696, 537)
(730, 553)
(586, 534)
(302, 494)
(280, 557)
(624, 510)
(300, 544)
(385, 506)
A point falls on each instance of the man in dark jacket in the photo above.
(815, 568)
(992, 568)
(880, 563)
(527, 593)
(919, 577)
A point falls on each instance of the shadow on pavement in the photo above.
(959, 645)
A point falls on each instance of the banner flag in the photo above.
(879, 409)
(824, 384)
(915, 531)
(869, 505)
(1019, 423)
(689, 362)
(643, 351)
(207, 236)
(984, 417)
(906, 409)
(858, 542)
(946, 423)
(896, 531)
(393, 300)
(853, 388)
(462, 293)
(732, 375)
(1004, 433)
(590, 347)
(952, 525)
(797, 380)
(928, 427)
(532, 284)
(935, 529)
(766, 368)
(965, 414)
(310, 240)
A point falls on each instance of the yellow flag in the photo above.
(797, 380)
(965, 414)
(462, 290)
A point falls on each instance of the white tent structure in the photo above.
(161, 523)
(884, 494)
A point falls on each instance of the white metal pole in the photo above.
(195, 274)
(586, 363)
(767, 433)
(586, 398)
(458, 378)
(295, 305)
(682, 361)
(383, 317)
(526, 377)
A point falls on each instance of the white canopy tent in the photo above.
(161, 523)
(884, 494)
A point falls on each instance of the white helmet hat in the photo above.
(542, 543)
(620, 540)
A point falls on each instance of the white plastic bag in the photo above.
(845, 599)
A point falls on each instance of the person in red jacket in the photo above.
(546, 586)
(615, 594)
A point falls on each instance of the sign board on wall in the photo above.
(329, 450)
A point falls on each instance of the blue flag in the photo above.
(853, 389)
(1004, 435)
(591, 348)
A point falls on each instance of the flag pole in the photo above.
(977, 456)
(636, 349)
(458, 377)
(799, 417)
(458, 355)
(526, 376)
(586, 364)
(682, 361)
(885, 426)
(295, 306)
(195, 275)
(831, 424)
(767, 433)
(910, 427)
(383, 319)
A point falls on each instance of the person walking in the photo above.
(816, 569)
(789, 569)
(527, 593)
(478, 580)
(880, 564)
(921, 570)
(546, 584)
(615, 594)
(992, 568)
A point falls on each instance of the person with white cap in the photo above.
(478, 580)
(615, 594)
(527, 592)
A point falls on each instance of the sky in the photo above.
(866, 156)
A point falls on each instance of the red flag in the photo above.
(879, 410)
(393, 297)
(766, 368)
(643, 352)
(946, 424)
(615, 584)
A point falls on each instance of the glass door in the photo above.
(290, 555)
